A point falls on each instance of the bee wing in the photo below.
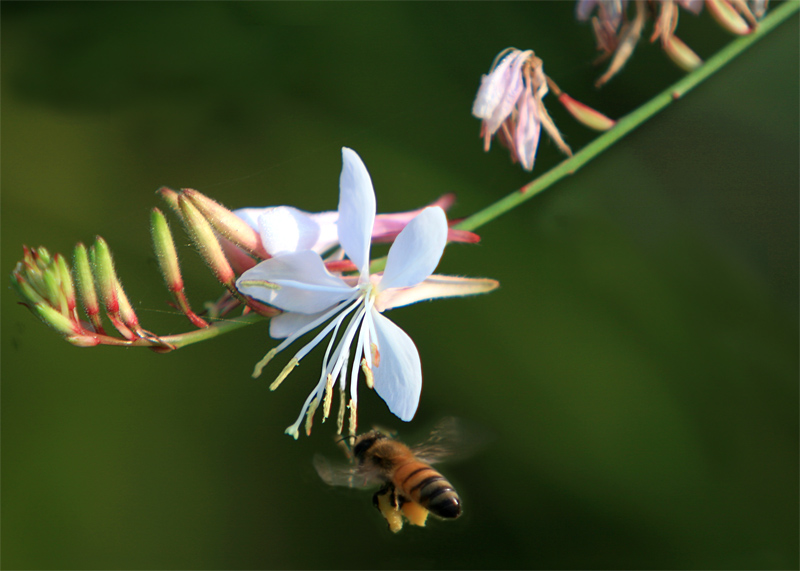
(451, 439)
(342, 474)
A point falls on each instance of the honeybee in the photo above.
(411, 488)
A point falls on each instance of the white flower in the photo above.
(288, 229)
(298, 282)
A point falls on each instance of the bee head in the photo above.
(365, 442)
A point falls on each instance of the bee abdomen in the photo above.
(441, 499)
(429, 488)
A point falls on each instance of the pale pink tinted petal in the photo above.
(356, 209)
(499, 90)
(305, 286)
(691, 5)
(398, 373)
(584, 8)
(416, 251)
(432, 288)
(492, 89)
(526, 136)
(286, 324)
(513, 90)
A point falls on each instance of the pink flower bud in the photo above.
(86, 287)
(681, 54)
(206, 242)
(585, 114)
(227, 223)
(168, 262)
(728, 17)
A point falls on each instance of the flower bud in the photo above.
(171, 198)
(681, 54)
(585, 114)
(226, 223)
(86, 287)
(104, 274)
(164, 247)
(65, 277)
(727, 17)
(108, 284)
(206, 243)
(45, 285)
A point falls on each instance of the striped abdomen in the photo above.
(428, 488)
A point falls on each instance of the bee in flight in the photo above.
(411, 488)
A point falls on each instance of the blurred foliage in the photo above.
(637, 368)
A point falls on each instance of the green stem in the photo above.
(631, 121)
(183, 339)
(216, 328)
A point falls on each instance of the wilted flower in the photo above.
(510, 104)
(617, 36)
(298, 282)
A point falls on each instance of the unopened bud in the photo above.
(83, 340)
(67, 287)
(171, 198)
(206, 243)
(585, 114)
(165, 251)
(126, 312)
(86, 289)
(55, 319)
(105, 275)
(227, 224)
(167, 256)
(727, 17)
(681, 54)
(111, 292)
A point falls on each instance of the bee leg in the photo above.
(378, 499)
(385, 501)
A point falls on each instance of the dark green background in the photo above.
(637, 368)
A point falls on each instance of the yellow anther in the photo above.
(263, 363)
(285, 373)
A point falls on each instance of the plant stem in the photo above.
(632, 120)
(183, 339)
(216, 328)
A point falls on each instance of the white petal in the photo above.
(305, 286)
(328, 231)
(432, 288)
(398, 374)
(500, 90)
(250, 215)
(356, 209)
(493, 87)
(286, 229)
(416, 251)
(286, 324)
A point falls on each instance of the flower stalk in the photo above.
(631, 121)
